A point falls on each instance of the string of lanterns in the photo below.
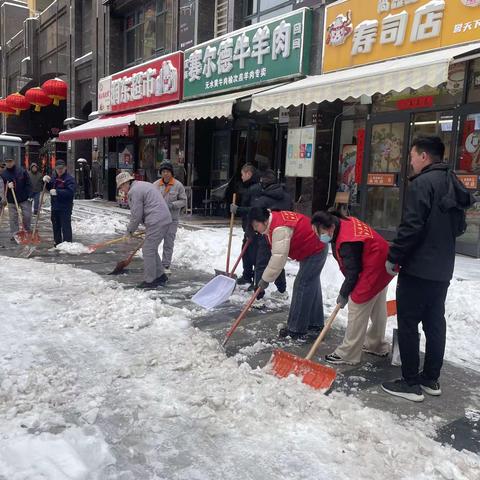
(52, 91)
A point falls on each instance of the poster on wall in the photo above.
(346, 169)
(125, 157)
(300, 152)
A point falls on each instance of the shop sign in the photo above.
(470, 181)
(381, 179)
(152, 83)
(300, 152)
(415, 102)
(265, 52)
(186, 23)
(358, 32)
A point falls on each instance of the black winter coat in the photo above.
(248, 191)
(21, 179)
(425, 243)
(274, 197)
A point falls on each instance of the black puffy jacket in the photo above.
(248, 191)
(274, 197)
(21, 180)
(425, 243)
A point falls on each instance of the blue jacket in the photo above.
(21, 180)
(65, 187)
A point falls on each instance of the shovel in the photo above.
(123, 264)
(246, 308)
(313, 374)
(219, 289)
(21, 237)
(96, 246)
(230, 234)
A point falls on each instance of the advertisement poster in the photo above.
(186, 23)
(346, 169)
(300, 152)
(125, 157)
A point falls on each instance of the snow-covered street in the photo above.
(103, 382)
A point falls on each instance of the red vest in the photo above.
(373, 277)
(304, 242)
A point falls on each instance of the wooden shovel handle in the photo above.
(19, 210)
(115, 240)
(242, 253)
(323, 333)
(232, 219)
(246, 308)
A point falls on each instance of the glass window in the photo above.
(434, 123)
(147, 158)
(474, 82)
(267, 4)
(468, 160)
(258, 10)
(275, 13)
(383, 208)
(149, 31)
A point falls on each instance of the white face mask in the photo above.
(325, 238)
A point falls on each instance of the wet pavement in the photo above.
(456, 411)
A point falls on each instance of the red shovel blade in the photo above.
(313, 374)
(35, 238)
(22, 237)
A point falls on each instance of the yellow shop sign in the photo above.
(366, 31)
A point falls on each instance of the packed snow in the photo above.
(73, 248)
(120, 386)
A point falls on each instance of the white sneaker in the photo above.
(167, 270)
(280, 295)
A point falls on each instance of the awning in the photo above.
(219, 106)
(414, 72)
(106, 126)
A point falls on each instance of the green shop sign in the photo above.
(270, 51)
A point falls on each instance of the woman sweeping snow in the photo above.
(289, 234)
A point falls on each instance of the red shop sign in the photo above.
(470, 181)
(415, 102)
(155, 82)
(381, 179)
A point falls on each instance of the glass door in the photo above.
(385, 172)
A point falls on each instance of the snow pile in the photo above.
(124, 381)
(73, 248)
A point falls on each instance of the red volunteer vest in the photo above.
(304, 242)
(373, 277)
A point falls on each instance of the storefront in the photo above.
(139, 150)
(220, 78)
(416, 71)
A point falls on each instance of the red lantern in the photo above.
(18, 102)
(36, 96)
(56, 89)
(4, 108)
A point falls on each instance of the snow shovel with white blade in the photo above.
(313, 374)
(22, 236)
(219, 289)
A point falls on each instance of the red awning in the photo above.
(106, 126)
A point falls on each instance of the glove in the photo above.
(130, 235)
(47, 179)
(3, 202)
(233, 208)
(342, 301)
(53, 192)
(11, 185)
(391, 268)
(262, 284)
(30, 199)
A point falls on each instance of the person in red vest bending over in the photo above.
(361, 253)
(289, 234)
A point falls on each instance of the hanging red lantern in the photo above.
(4, 108)
(18, 102)
(56, 89)
(36, 96)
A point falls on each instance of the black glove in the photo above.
(262, 284)
(342, 301)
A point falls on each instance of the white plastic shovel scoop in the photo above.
(215, 292)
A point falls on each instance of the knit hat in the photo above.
(166, 166)
(60, 163)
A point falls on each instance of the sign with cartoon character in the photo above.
(360, 32)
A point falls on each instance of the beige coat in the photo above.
(281, 238)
